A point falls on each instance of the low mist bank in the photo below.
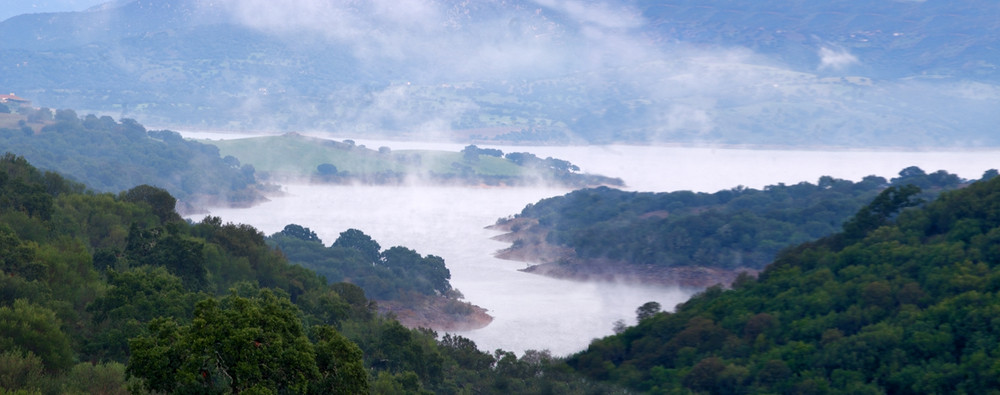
(658, 168)
(533, 312)
(530, 312)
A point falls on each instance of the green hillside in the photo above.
(898, 303)
(115, 294)
(733, 229)
(111, 156)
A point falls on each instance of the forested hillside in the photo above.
(105, 293)
(903, 301)
(739, 228)
(415, 288)
(112, 156)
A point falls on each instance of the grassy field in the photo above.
(297, 155)
(300, 155)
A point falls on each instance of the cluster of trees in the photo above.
(739, 227)
(903, 301)
(392, 274)
(550, 169)
(112, 156)
(106, 293)
(115, 293)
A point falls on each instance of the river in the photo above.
(534, 312)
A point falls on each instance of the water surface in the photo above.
(534, 312)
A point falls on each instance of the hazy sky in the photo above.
(17, 7)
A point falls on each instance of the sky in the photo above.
(12, 8)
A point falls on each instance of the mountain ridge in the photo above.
(775, 72)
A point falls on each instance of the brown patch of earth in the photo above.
(529, 245)
(438, 313)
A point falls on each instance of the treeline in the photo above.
(111, 156)
(106, 293)
(550, 170)
(391, 274)
(735, 228)
(904, 301)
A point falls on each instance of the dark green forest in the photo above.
(111, 156)
(384, 275)
(735, 228)
(115, 293)
(903, 301)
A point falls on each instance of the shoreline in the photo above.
(528, 245)
(437, 313)
(224, 134)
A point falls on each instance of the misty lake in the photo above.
(534, 312)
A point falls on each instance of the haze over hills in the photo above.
(777, 72)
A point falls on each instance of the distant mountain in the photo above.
(890, 38)
(836, 73)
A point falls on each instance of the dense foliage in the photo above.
(112, 156)
(115, 294)
(383, 275)
(905, 304)
(735, 228)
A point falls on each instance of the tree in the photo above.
(522, 158)
(881, 209)
(301, 233)
(33, 328)
(326, 169)
(238, 344)
(353, 238)
(989, 174)
(340, 362)
(66, 115)
(647, 310)
(619, 326)
(162, 203)
(470, 153)
(232, 161)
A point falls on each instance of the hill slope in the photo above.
(894, 304)
(111, 156)
(694, 239)
(103, 293)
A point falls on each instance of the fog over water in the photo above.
(531, 312)
(534, 312)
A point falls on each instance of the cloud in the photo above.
(459, 40)
(599, 14)
(582, 63)
(835, 59)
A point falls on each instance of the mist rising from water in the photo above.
(534, 312)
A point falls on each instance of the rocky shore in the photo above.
(437, 313)
(529, 246)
